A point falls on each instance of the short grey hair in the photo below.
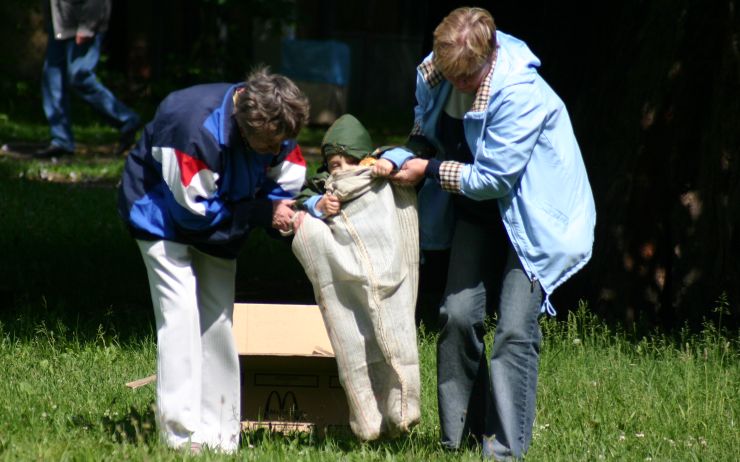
(271, 105)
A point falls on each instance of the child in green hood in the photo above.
(346, 144)
(360, 250)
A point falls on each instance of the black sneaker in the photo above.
(51, 151)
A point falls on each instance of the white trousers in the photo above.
(198, 391)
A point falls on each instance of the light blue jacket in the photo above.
(526, 156)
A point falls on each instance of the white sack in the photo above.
(363, 264)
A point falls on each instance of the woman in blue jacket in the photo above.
(216, 160)
(502, 170)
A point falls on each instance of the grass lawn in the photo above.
(601, 397)
(76, 324)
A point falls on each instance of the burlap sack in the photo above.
(363, 264)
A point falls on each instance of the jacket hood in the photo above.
(347, 136)
(515, 62)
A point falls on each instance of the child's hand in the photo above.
(382, 168)
(328, 205)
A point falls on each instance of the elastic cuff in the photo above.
(432, 170)
(310, 206)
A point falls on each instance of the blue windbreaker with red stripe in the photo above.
(191, 180)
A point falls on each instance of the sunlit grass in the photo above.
(606, 395)
(76, 324)
(602, 396)
(78, 171)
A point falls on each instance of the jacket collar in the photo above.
(220, 122)
(433, 77)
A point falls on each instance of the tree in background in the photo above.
(653, 89)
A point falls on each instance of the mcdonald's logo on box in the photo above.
(288, 370)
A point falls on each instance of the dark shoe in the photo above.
(51, 151)
(127, 138)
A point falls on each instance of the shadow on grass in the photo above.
(137, 426)
(338, 439)
(66, 258)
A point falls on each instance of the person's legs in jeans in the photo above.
(54, 92)
(81, 63)
(514, 361)
(462, 375)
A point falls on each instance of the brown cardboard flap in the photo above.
(280, 330)
(141, 382)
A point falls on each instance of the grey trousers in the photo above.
(501, 404)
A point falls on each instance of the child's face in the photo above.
(339, 162)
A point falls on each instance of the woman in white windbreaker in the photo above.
(502, 171)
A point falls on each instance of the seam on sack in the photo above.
(375, 298)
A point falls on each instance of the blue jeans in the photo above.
(505, 399)
(69, 66)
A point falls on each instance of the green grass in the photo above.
(605, 395)
(602, 396)
(76, 324)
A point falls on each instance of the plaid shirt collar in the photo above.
(429, 72)
(480, 103)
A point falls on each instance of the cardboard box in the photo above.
(288, 370)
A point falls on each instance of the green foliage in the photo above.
(311, 136)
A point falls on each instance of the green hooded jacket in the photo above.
(346, 136)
